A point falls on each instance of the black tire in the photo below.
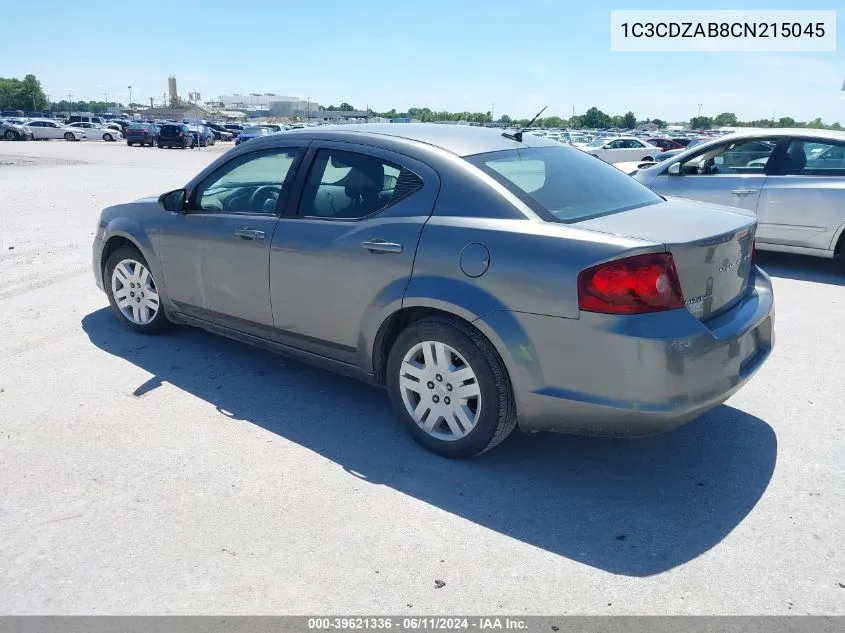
(160, 322)
(495, 422)
(11, 135)
(108, 137)
(128, 144)
(69, 136)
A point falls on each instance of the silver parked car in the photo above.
(794, 180)
(486, 279)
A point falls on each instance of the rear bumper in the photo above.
(631, 375)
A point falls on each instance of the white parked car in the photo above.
(620, 149)
(95, 131)
(45, 129)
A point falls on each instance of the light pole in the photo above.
(130, 99)
(308, 109)
(699, 109)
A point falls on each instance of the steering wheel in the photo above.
(261, 196)
(707, 167)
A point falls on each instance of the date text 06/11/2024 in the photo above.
(417, 623)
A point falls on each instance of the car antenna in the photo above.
(517, 136)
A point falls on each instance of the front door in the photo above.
(234, 212)
(350, 246)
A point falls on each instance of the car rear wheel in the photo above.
(108, 137)
(450, 388)
(69, 136)
(128, 144)
(11, 135)
(133, 294)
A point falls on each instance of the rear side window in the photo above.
(349, 186)
(563, 184)
(813, 158)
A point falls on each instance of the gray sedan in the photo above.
(794, 180)
(485, 279)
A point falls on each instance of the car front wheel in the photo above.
(69, 136)
(450, 388)
(133, 293)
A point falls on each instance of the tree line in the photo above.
(594, 118)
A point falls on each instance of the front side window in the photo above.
(813, 158)
(746, 156)
(251, 183)
(349, 186)
(561, 184)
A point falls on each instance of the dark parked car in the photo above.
(485, 279)
(142, 134)
(175, 135)
(234, 128)
(251, 133)
(220, 132)
(663, 143)
(15, 131)
(202, 135)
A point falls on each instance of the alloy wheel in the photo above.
(135, 292)
(440, 390)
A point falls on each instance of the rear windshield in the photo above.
(139, 126)
(564, 184)
(171, 129)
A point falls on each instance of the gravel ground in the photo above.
(190, 474)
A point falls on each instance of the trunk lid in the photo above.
(711, 245)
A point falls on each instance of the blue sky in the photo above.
(455, 55)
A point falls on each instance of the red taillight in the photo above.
(634, 285)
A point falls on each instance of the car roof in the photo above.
(463, 140)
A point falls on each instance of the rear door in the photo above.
(732, 173)
(803, 199)
(348, 245)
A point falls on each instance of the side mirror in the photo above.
(674, 169)
(173, 200)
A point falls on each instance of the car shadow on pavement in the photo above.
(632, 507)
(802, 267)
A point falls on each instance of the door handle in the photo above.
(743, 192)
(250, 234)
(380, 246)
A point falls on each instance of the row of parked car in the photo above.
(187, 135)
(152, 133)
